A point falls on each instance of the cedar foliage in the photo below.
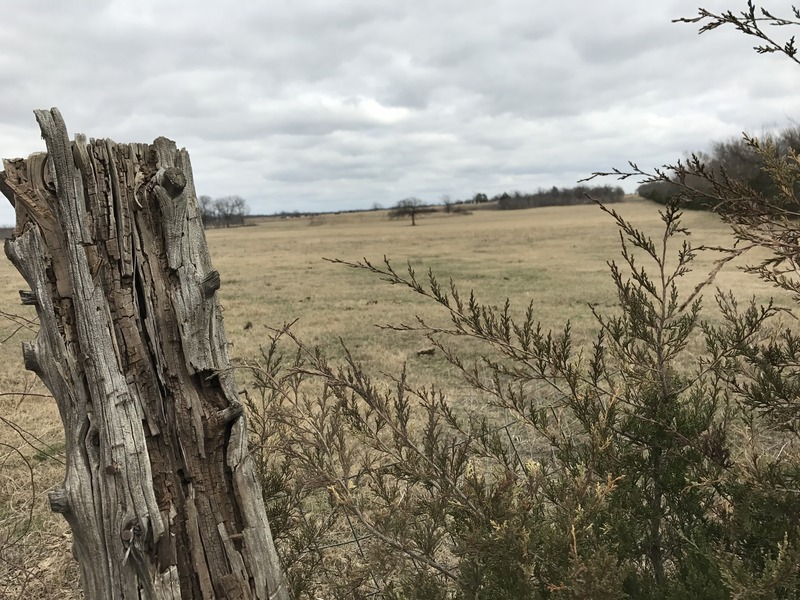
(661, 461)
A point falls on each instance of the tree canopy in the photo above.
(228, 211)
(735, 158)
(410, 207)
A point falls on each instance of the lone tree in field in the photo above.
(410, 207)
(159, 490)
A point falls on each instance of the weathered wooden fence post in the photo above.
(159, 490)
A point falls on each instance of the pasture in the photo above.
(274, 272)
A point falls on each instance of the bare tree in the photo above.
(206, 206)
(410, 207)
(159, 490)
(231, 210)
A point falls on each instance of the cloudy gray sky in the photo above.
(338, 104)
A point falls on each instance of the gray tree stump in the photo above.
(159, 491)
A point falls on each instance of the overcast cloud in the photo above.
(339, 104)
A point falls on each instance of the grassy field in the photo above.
(554, 257)
(274, 272)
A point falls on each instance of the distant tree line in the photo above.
(294, 214)
(229, 211)
(559, 197)
(735, 158)
(414, 207)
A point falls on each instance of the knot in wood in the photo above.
(30, 357)
(59, 501)
(210, 284)
(131, 529)
(173, 181)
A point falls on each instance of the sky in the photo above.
(323, 105)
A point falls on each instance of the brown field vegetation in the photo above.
(555, 257)
(274, 273)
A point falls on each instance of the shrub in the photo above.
(614, 472)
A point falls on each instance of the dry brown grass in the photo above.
(273, 273)
(555, 257)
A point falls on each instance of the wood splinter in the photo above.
(28, 298)
(229, 414)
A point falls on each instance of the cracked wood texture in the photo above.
(159, 491)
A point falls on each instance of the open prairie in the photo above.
(555, 258)
(274, 272)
